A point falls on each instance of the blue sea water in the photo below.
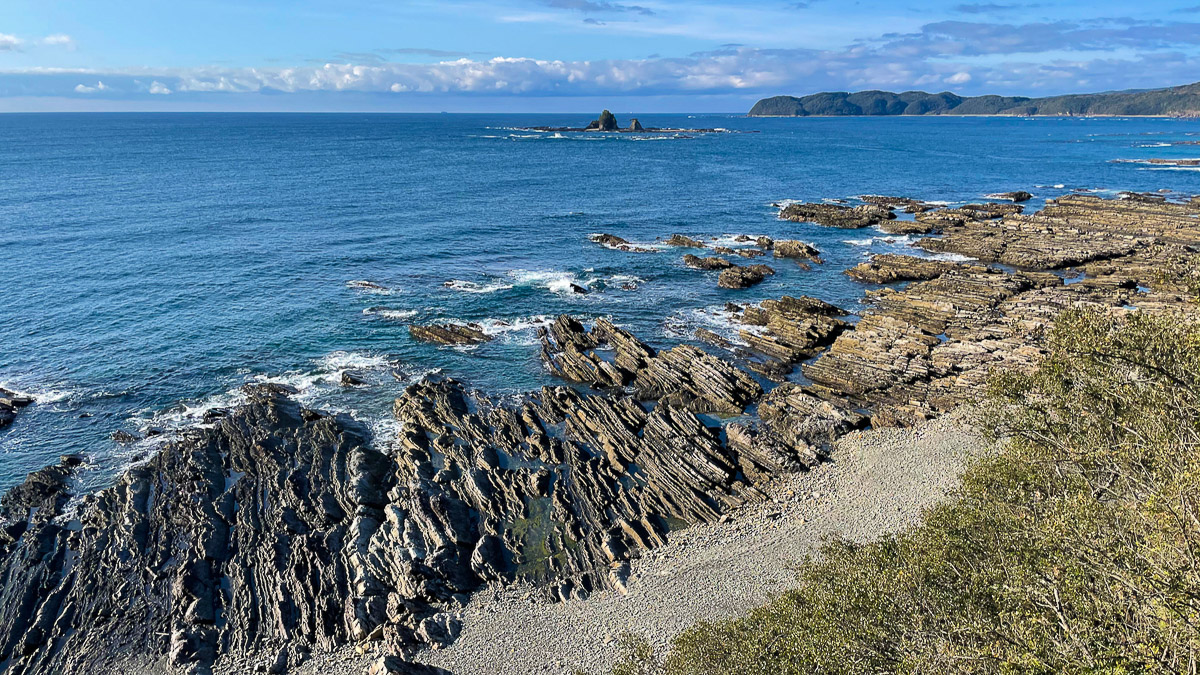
(153, 263)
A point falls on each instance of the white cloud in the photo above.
(58, 40)
(9, 43)
(961, 77)
(85, 89)
(157, 87)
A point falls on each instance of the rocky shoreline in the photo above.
(12, 403)
(279, 533)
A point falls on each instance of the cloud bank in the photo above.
(967, 56)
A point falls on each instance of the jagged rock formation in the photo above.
(709, 263)
(280, 531)
(614, 242)
(744, 277)
(245, 537)
(684, 376)
(1015, 196)
(744, 252)
(836, 215)
(790, 248)
(10, 403)
(685, 242)
(794, 329)
(450, 334)
(635, 125)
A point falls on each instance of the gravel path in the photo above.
(878, 481)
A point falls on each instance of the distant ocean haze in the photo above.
(155, 263)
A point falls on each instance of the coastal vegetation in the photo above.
(1174, 101)
(1071, 549)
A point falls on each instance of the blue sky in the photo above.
(572, 55)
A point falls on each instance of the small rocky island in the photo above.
(607, 122)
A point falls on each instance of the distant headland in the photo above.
(1182, 101)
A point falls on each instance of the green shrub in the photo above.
(1072, 549)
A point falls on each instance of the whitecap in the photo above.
(475, 287)
(683, 324)
(364, 286)
(43, 394)
(559, 283)
(390, 313)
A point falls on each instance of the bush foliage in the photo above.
(1071, 549)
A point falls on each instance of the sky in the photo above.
(572, 55)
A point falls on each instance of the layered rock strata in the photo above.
(449, 334)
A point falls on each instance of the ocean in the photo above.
(154, 263)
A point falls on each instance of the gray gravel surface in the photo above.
(877, 482)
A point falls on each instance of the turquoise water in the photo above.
(154, 263)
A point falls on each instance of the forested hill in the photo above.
(1183, 101)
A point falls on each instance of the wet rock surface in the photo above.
(614, 242)
(10, 404)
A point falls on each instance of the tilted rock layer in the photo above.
(278, 530)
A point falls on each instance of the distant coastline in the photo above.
(1182, 101)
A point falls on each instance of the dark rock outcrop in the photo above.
(607, 122)
(620, 244)
(449, 334)
(684, 376)
(791, 248)
(710, 263)
(1015, 196)
(10, 403)
(836, 215)
(793, 329)
(635, 125)
(685, 242)
(744, 277)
